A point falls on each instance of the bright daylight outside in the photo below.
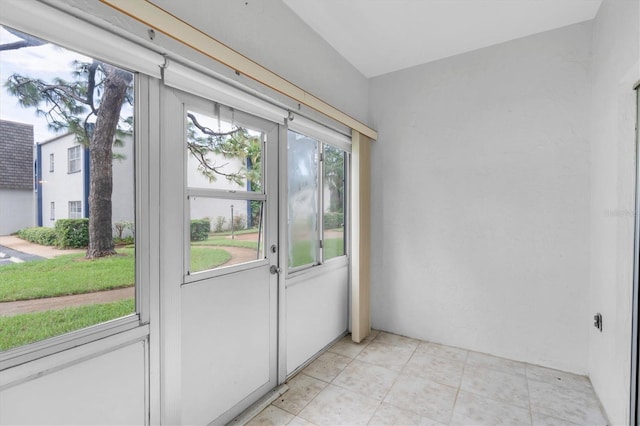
(67, 221)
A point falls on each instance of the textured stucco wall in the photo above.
(615, 69)
(487, 153)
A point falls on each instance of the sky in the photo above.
(45, 62)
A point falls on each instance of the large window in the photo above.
(316, 201)
(74, 156)
(41, 298)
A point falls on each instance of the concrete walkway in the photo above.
(47, 252)
(61, 302)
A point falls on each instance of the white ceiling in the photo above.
(380, 36)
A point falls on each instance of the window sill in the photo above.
(295, 277)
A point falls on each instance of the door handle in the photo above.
(274, 269)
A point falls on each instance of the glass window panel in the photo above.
(74, 159)
(302, 172)
(222, 155)
(224, 232)
(334, 202)
(31, 307)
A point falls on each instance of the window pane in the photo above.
(47, 294)
(74, 159)
(75, 209)
(222, 155)
(334, 202)
(302, 170)
(224, 232)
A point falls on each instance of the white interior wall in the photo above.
(615, 69)
(480, 217)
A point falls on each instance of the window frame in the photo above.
(194, 103)
(322, 140)
(75, 210)
(76, 149)
(51, 162)
(52, 210)
(24, 361)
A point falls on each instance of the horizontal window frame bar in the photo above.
(224, 270)
(226, 194)
(299, 276)
(28, 354)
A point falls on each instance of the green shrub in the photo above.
(124, 240)
(120, 229)
(200, 229)
(239, 222)
(333, 220)
(39, 235)
(220, 221)
(72, 233)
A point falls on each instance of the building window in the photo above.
(52, 216)
(316, 201)
(51, 162)
(74, 159)
(75, 209)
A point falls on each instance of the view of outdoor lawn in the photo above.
(67, 250)
(73, 274)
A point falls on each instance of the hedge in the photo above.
(333, 220)
(200, 229)
(39, 235)
(72, 233)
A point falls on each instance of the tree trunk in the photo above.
(101, 154)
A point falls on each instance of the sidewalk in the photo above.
(61, 302)
(15, 243)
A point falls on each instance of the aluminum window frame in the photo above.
(18, 364)
(322, 136)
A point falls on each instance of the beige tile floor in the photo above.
(394, 380)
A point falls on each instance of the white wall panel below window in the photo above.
(105, 390)
(317, 313)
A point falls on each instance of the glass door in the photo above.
(230, 272)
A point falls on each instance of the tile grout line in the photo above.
(526, 376)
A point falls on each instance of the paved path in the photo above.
(16, 248)
(9, 255)
(15, 243)
(51, 303)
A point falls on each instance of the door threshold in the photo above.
(248, 414)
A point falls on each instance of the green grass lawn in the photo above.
(21, 329)
(203, 258)
(73, 274)
(65, 275)
(333, 247)
(218, 241)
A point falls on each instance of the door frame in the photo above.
(174, 212)
(634, 414)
